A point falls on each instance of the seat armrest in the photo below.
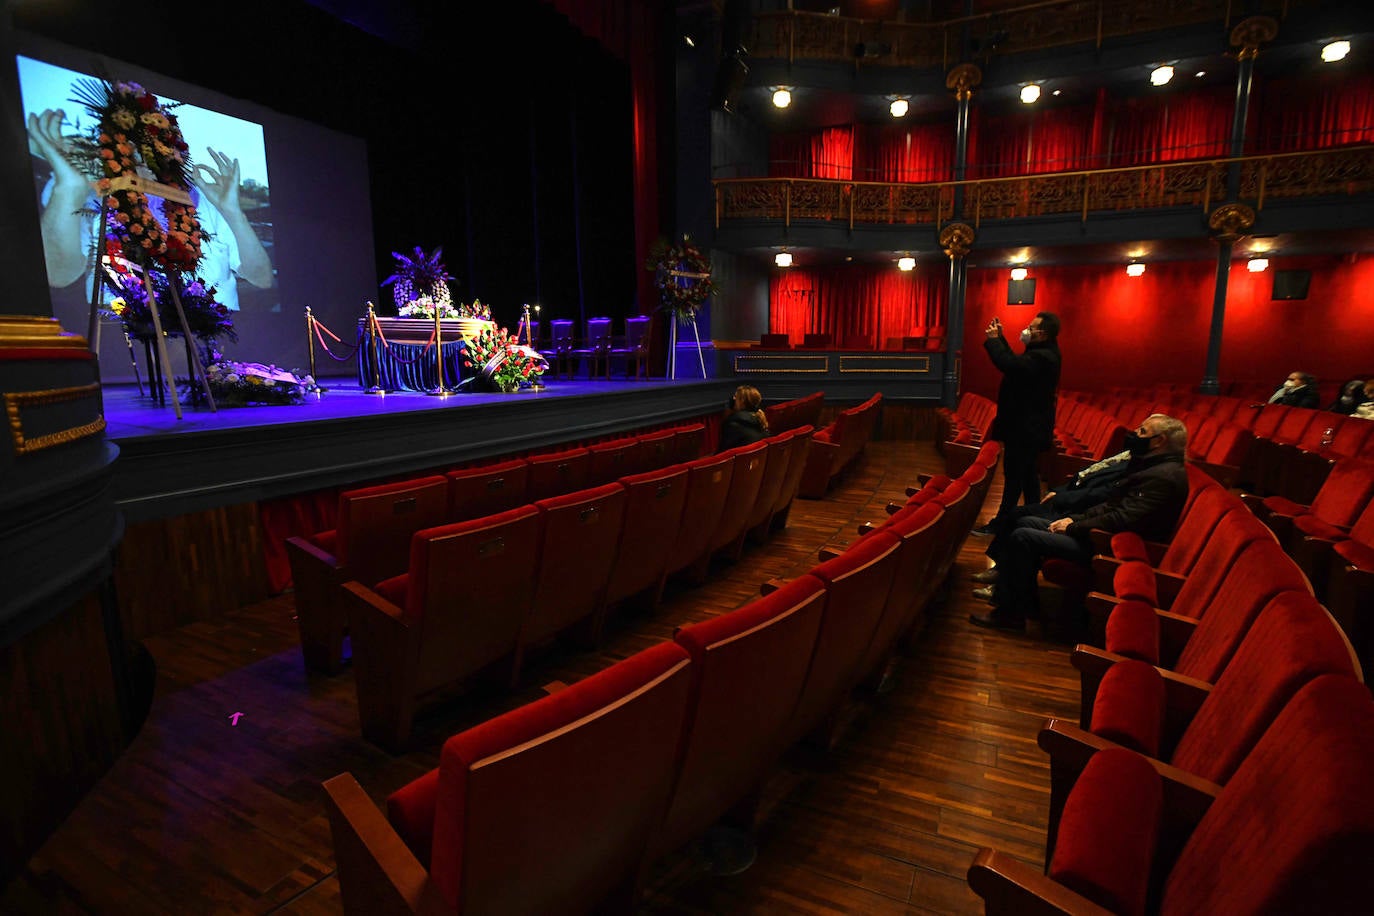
(1100, 607)
(1167, 586)
(772, 585)
(867, 528)
(1174, 632)
(1101, 541)
(1010, 886)
(827, 553)
(1104, 566)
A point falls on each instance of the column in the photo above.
(956, 239)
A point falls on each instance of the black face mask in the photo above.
(1137, 445)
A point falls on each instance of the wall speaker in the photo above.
(1021, 292)
(1291, 284)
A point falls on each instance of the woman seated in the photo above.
(745, 423)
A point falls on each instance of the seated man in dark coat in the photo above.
(1298, 390)
(1147, 499)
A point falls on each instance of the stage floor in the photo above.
(345, 437)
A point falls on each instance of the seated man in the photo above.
(1147, 499)
(1298, 390)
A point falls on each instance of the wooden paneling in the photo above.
(202, 815)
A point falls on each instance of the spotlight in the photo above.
(1161, 75)
(1056, 92)
(1200, 74)
(1335, 51)
(899, 108)
(1030, 93)
(1135, 270)
(1018, 274)
(689, 41)
(783, 259)
(782, 97)
(906, 263)
(1256, 265)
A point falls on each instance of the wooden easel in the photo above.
(194, 365)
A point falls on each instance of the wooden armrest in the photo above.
(867, 528)
(772, 585)
(313, 552)
(1183, 695)
(377, 872)
(1167, 586)
(827, 553)
(1009, 885)
(1104, 569)
(1102, 541)
(553, 687)
(1100, 607)
(1174, 632)
(894, 508)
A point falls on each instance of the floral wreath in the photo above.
(501, 361)
(131, 121)
(682, 275)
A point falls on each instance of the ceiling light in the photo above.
(906, 263)
(1335, 51)
(783, 259)
(1200, 74)
(1030, 93)
(690, 42)
(1018, 274)
(1056, 92)
(1161, 75)
(1256, 265)
(1135, 270)
(899, 108)
(782, 97)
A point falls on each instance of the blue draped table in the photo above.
(405, 364)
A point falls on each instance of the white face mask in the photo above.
(1289, 383)
(1026, 335)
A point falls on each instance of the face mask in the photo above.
(1026, 335)
(1290, 384)
(1137, 445)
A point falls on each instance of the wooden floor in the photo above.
(202, 815)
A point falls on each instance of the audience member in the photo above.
(1147, 499)
(745, 423)
(1351, 397)
(1298, 390)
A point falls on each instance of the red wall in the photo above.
(1121, 330)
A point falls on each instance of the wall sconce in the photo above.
(1257, 265)
(1161, 75)
(1018, 274)
(907, 262)
(899, 108)
(782, 97)
(1135, 270)
(1030, 93)
(783, 259)
(1336, 50)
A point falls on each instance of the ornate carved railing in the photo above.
(1180, 184)
(794, 35)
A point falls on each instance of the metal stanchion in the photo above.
(310, 332)
(440, 390)
(374, 358)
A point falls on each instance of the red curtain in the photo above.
(876, 302)
(1332, 109)
(905, 152)
(1169, 128)
(1037, 139)
(824, 153)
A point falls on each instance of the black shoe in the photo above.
(987, 576)
(997, 620)
(983, 531)
(983, 594)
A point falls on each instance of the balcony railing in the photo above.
(1199, 184)
(794, 35)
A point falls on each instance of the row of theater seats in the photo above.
(561, 805)
(479, 596)
(371, 539)
(835, 447)
(791, 414)
(1224, 753)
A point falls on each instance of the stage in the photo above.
(169, 467)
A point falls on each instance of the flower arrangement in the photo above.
(420, 284)
(237, 384)
(502, 363)
(208, 319)
(682, 275)
(133, 128)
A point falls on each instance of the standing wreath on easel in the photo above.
(682, 275)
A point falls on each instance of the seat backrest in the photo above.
(911, 581)
(599, 333)
(612, 460)
(636, 330)
(558, 473)
(1233, 534)
(656, 449)
(1195, 529)
(857, 583)
(1292, 642)
(774, 476)
(1292, 831)
(1345, 493)
(1262, 572)
(1230, 446)
(470, 621)
(748, 667)
(486, 490)
(1296, 422)
(774, 341)
(375, 525)
(750, 463)
(1269, 419)
(798, 446)
(708, 487)
(561, 331)
(688, 442)
(579, 536)
(1350, 437)
(817, 341)
(653, 512)
(549, 807)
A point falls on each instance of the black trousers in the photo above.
(1021, 480)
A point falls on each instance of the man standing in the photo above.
(1147, 500)
(1025, 407)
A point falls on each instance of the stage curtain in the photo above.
(1037, 140)
(824, 153)
(905, 152)
(1293, 114)
(874, 301)
(1170, 128)
(789, 155)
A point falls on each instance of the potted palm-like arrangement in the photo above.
(420, 285)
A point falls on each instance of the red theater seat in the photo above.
(751, 461)
(612, 460)
(547, 808)
(798, 447)
(688, 443)
(658, 449)
(653, 513)
(708, 488)
(757, 524)
(559, 473)
(439, 624)
(371, 542)
(486, 490)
